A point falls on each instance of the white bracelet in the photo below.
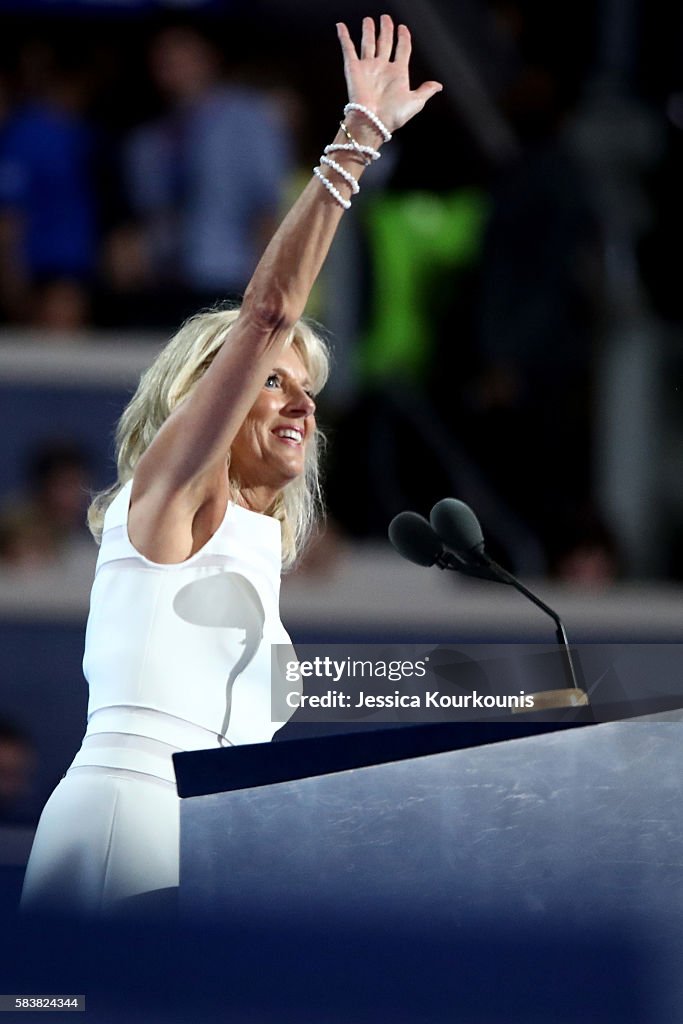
(379, 125)
(346, 203)
(367, 152)
(343, 173)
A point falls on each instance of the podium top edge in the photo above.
(206, 772)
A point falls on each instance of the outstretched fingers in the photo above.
(373, 45)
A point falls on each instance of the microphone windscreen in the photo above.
(456, 524)
(414, 539)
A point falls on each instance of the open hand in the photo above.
(376, 81)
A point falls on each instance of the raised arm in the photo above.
(284, 278)
(185, 464)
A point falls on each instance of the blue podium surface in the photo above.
(563, 837)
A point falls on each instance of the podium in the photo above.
(561, 843)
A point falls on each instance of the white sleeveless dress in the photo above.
(177, 657)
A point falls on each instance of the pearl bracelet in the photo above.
(347, 147)
(343, 173)
(346, 203)
(367, 153)
(372, 117)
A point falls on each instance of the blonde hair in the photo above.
(171, 378)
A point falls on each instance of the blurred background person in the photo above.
(45, 524)
(49, 234)
(204, 183)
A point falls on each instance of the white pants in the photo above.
(104, 835)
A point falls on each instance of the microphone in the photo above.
(457, 526)
(417, 541)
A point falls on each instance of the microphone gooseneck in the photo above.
(457, 526)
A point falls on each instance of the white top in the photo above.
(181, 654)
